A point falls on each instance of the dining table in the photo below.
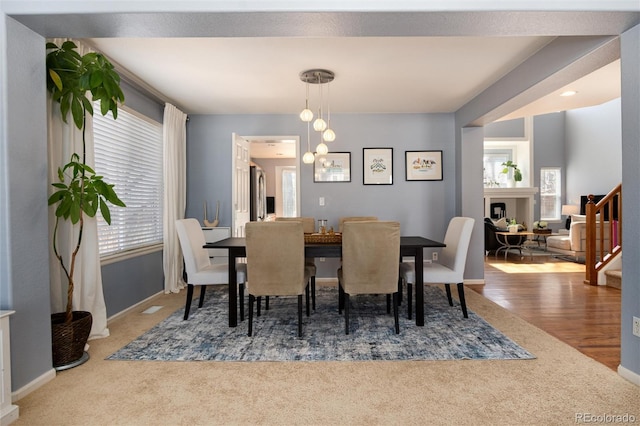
(410, 246)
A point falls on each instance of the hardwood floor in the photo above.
(550, 294)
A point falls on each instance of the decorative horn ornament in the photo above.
(215, 221)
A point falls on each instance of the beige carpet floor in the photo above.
(553, 389)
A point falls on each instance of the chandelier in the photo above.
(320, 77)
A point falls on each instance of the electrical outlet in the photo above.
(636, 326)
(321, 201)
(434, 256)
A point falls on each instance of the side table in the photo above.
(541, 234)
(507, 243)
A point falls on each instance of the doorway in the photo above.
(274, 155)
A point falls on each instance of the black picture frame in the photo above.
(377, 166)
(332, 167)
(423, 165)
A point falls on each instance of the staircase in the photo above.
(599, 251)
(614, 278)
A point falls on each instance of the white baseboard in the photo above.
(629, 375)
(33, 385)
(9, 414)
(133, 307)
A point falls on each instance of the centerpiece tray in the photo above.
(317, 238)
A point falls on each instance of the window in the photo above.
(128, 153)
(286, 191)
(550, 193)
(492, 165)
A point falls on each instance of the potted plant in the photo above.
(71, 77)
(517, 174)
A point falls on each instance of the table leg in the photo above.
(233, 290)
(419, 262)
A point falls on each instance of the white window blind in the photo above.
(128, 153)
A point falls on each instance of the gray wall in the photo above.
(593, 150)
(23, 212)
(422, 208)
(630, 350)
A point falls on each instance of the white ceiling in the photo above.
(373, 74)
(260, 75)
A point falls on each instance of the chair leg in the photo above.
(346, 313)
(396, 302)
(300, 314)
(189, 297)
(306, 299)
(252, 298)
(259, 301)
(388, 303)
(203, 289)
(241, 296)
(266, 303)
(340, 298)
(448, 288)
(400, 281)
(313, 292)
(463, 302)
(409, 300)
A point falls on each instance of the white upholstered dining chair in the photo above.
(198, 269)
(450, 269)
(370, 261)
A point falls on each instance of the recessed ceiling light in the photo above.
(568, 93)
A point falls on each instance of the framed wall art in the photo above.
(377, 166)
(423, 165)
(332, 167)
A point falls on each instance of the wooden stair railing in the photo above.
(599, 251)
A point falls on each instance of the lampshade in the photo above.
(569, 209)
(319, 125)
(306, 115)
(308, 157)
(329, 135)
(322, 149)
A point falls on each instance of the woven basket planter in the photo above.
(68, 340)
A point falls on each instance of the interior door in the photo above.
(240, 182)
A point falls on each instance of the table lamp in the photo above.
(568, 210)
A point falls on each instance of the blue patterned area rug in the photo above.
(205, 336)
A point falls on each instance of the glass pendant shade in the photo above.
(306, 115)
(322, 149)
(329, 135)
(308, 157)
(319, 125)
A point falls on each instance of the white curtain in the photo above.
(175, 189)
(64, 139)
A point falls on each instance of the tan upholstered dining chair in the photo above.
(450, 268)
(275, 263)
(308, 226)
(370, 262)
(198, 269)
(342, 220)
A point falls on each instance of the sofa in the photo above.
(574, 243)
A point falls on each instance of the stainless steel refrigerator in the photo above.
(258, 194)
